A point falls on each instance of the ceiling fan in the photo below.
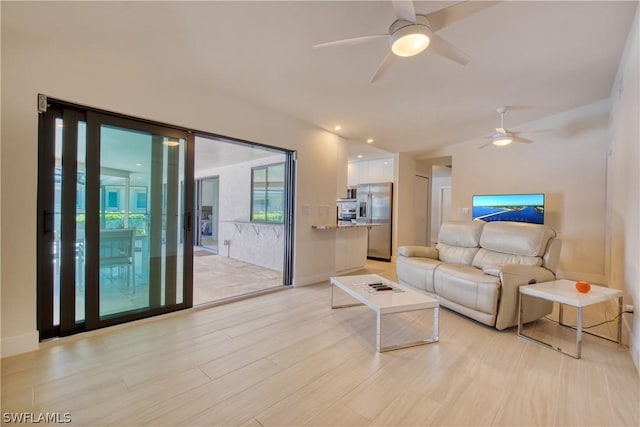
(503, 136)
(412, 33)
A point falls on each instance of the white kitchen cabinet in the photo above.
(370, 171)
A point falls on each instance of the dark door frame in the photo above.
(49, 109)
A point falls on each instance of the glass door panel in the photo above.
(61, 244)
(57, 223)
(80, 215)
(141, 235)
(114, 237)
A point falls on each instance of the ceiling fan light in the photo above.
(502, 141)
(410, 40)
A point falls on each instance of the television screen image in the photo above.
(509, 207)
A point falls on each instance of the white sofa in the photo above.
(476, 268)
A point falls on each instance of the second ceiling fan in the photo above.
(412, 33)
(502, 136)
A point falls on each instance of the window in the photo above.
(267, 193)
(138, 199)
(113, 199)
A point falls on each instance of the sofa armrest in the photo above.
(492, 270)
(418, 251)
(512, 276)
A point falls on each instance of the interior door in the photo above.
(208, 210)
(445, 204)
(421, 198)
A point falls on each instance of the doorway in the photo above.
(441, 180)
(114, 227)
(445, 205)
(242, 196)
(207, 212)
(422, 195)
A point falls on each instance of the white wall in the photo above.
(259, 244)
(140, 88)
(404, 210)
(342, 171)
(568, 164)
(624, 184)
(441, 179)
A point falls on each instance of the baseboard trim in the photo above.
(349, 270)
(19, 344)
(634, 347)
(311, 280)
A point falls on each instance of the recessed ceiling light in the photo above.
(386, 163)
(369, 141)
(337, 127)
(359, 156)
(138, 164)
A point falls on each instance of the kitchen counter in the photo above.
(343, 224)
(351, 244)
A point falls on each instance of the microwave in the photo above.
(346, 214)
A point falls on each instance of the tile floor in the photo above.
(217, 277)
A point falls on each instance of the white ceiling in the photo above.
(541, 57)
(214, 153)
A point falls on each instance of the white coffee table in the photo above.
(400, 299)
(564, 292)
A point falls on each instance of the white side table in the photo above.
(564, 292)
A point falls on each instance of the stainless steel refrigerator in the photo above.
(374, 207)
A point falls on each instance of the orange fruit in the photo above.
(583, 287)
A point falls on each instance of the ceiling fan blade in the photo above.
(404, 10)
(485, 145)
(520, 139)
(383, 67)
(443, 17)
(536, 131)
(351, 41)
(442, 47)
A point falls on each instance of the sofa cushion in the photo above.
(467, 286)
(416, 272)
(455, 254)
(464, 234)
(458, 241)
(420, 251)
(490, 259)
(516, 238)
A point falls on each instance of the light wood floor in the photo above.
(286, 359)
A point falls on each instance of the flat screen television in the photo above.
(509, 207)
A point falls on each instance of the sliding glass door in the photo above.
(115, 230)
